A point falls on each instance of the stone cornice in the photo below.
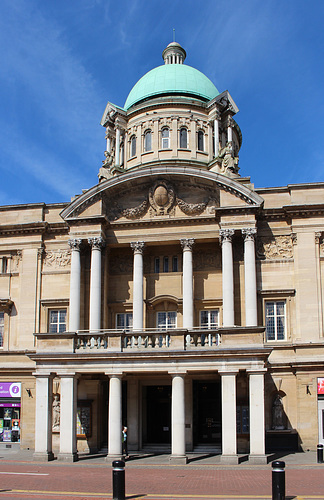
(33, 228)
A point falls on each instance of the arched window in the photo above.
(165, 138)
(183, 138)
(133, 146)
(200, 140)
(148, 140)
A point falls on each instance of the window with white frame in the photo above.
(133, 146)
(148, 140)
(57, 321)
(209, 319)
(183, 138)
(200, 140)
(166, 320)
(165, 135)
(1, 328)
(124, 321)
(275, 319)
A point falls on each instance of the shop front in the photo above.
(10, 406)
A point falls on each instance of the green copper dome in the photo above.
(171, 79)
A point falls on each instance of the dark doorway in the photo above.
(157, 428)
(207, 427)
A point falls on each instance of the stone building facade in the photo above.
(172, 297)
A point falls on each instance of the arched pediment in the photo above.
(187, 190)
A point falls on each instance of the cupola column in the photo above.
(187, 280)
(75, 283)
(95, 283)
(117, 152)
(228, 277)
(216, 136)
(251, 317)
(138, 248)
(229, 129)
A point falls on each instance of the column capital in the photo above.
(226, 235)
(187, 243)
(182, 373)
(249, 233)
(75, 244)
(227, 372)
(138, 246)
(48, 375)
(256, 371)
(114, 375)
(96, 242)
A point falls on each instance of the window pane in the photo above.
(213, 318)
(120, 320)
(161, 320)
(280, 308)
(157, 265)
(200, 141)
(165, 264)
(183, 138)
(148, 141)
(174, 264)
(165, 138)
(172, 319)
(133, 146)
(53, 316)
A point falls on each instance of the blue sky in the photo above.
(62, 60)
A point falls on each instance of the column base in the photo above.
(68, 457)
(178, 459)
(229, 459)
(111, 458)
(258, 459)
(46, 456)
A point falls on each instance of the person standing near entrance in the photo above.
(124, 440)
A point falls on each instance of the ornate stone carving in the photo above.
(138, 246)
(96, 243)
(226, 235)
(192, 208)
(187, 243)
(277, 414)
(104, 171)
(15, 261)
(206, 261)
(75, 244)
(249, 233)
(135, 212)
(275, 248)
(162, 197)
(58, 258)
(229, 162)
(56, 414)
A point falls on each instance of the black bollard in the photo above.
(278, 480)
(118, 480)
(319, 453)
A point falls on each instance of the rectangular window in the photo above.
(209, 319)
(57, 320)
(174, 264)
(166, 320)
(157, 264)
(165, 264)
(275, 320)
(4, 265)
(124, 321)
(1, 328)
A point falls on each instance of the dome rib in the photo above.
(172, 79)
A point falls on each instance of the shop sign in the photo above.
(10, 405)
(10, 389)
(320, 386)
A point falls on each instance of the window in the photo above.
(157, 265)
(124, 321)
(133, 146)
(148, 140)
(57, 320)
(200, 140)
(165, 264)
(175, 264)
(165, 138)
(183, 138)
(4, 265)
(166, 320)
(209, 319)
(1, 328)
(275, 320)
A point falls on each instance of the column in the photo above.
(229, 446)
(75, 283)
(115, 418)
(95, 283)
(68, 441)
(228, 276)
(229, 129)
(251, 315)
(178, 428)
(257, 425)
(187, 279)
(43, 418)
(138, 248)
(216, 137)
(117, 151)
